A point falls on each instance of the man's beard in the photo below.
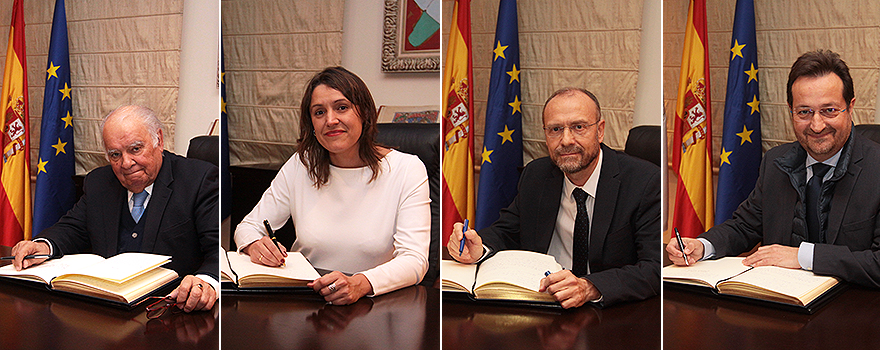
(573, 166)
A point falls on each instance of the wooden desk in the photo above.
(405, 319)
(696, 321)
(469, 325)
(33, 319)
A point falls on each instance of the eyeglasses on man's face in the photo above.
(578, 129)
(805, 114)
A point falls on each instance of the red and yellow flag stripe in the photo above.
(694, 207)
(458, 123)
(15, 185)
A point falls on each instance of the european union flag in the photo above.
(501, 156)
(55, 168)
(741, 141)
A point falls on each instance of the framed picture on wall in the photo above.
(412, 36)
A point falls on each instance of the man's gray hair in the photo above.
(143, 114)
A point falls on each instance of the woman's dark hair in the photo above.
(314, 156)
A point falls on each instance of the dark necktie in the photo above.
(581, 246)
(814, 189)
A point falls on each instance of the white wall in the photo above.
(362, 54)
(198, 102)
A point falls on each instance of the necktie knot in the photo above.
(820, 169)
(580, 196)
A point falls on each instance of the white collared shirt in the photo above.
(562, 242)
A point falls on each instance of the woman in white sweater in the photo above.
(357, 207)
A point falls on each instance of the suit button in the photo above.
(134, 235)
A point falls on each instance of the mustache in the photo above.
(826, 130)
(569, 149)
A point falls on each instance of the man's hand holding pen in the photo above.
(25, 248)
(693, 249)
(262, 252)
(473, 247)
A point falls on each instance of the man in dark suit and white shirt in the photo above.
(147, 200)
(815, 205)
(596, 210)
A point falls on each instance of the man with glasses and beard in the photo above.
(596, 210)
(815, 205)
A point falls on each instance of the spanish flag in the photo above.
(692, 141)
(15, 184)
(458, 122)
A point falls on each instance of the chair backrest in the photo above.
(422, 140)
(869, 131)
(644, 142)
(205, 147)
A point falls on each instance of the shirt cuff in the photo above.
(805, 255)
(49, 243)
(210, 280)
(708, 249)
(485, 254)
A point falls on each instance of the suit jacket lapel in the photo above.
(843, 193)
(156, 206)
(606, 201)
(117, 194)
(549, 208)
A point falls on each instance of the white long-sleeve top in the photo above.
(380, 228)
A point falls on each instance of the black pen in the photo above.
(681, 246)
(37, 256)
(272, 236)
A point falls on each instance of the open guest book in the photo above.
(124, 279)
(238, 273)
(508, 276)
(728, 276)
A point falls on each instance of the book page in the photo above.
(226, 274)
(796, 283)
(52, 268)
(295, 267)
(709, 272)
(517, 267)
(123, 267)
(457, 276)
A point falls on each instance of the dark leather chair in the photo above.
(422, 140)
(205, 147)
(870, 131)
(644, 142)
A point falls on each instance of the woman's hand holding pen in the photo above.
(262, 252)
(473, 247)
(339, 289)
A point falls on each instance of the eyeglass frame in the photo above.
(794, 113)
(570, 128)
(170, 303)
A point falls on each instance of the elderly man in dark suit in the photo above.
(815, 205)
(596, 210)
(147, 200)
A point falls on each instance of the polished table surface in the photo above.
(401, 320)
(697, 321)
(473, 325)
(34, 318)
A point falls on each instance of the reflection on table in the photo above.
(401, 320)
(33, 318)
(698, 321)
(472, 325)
